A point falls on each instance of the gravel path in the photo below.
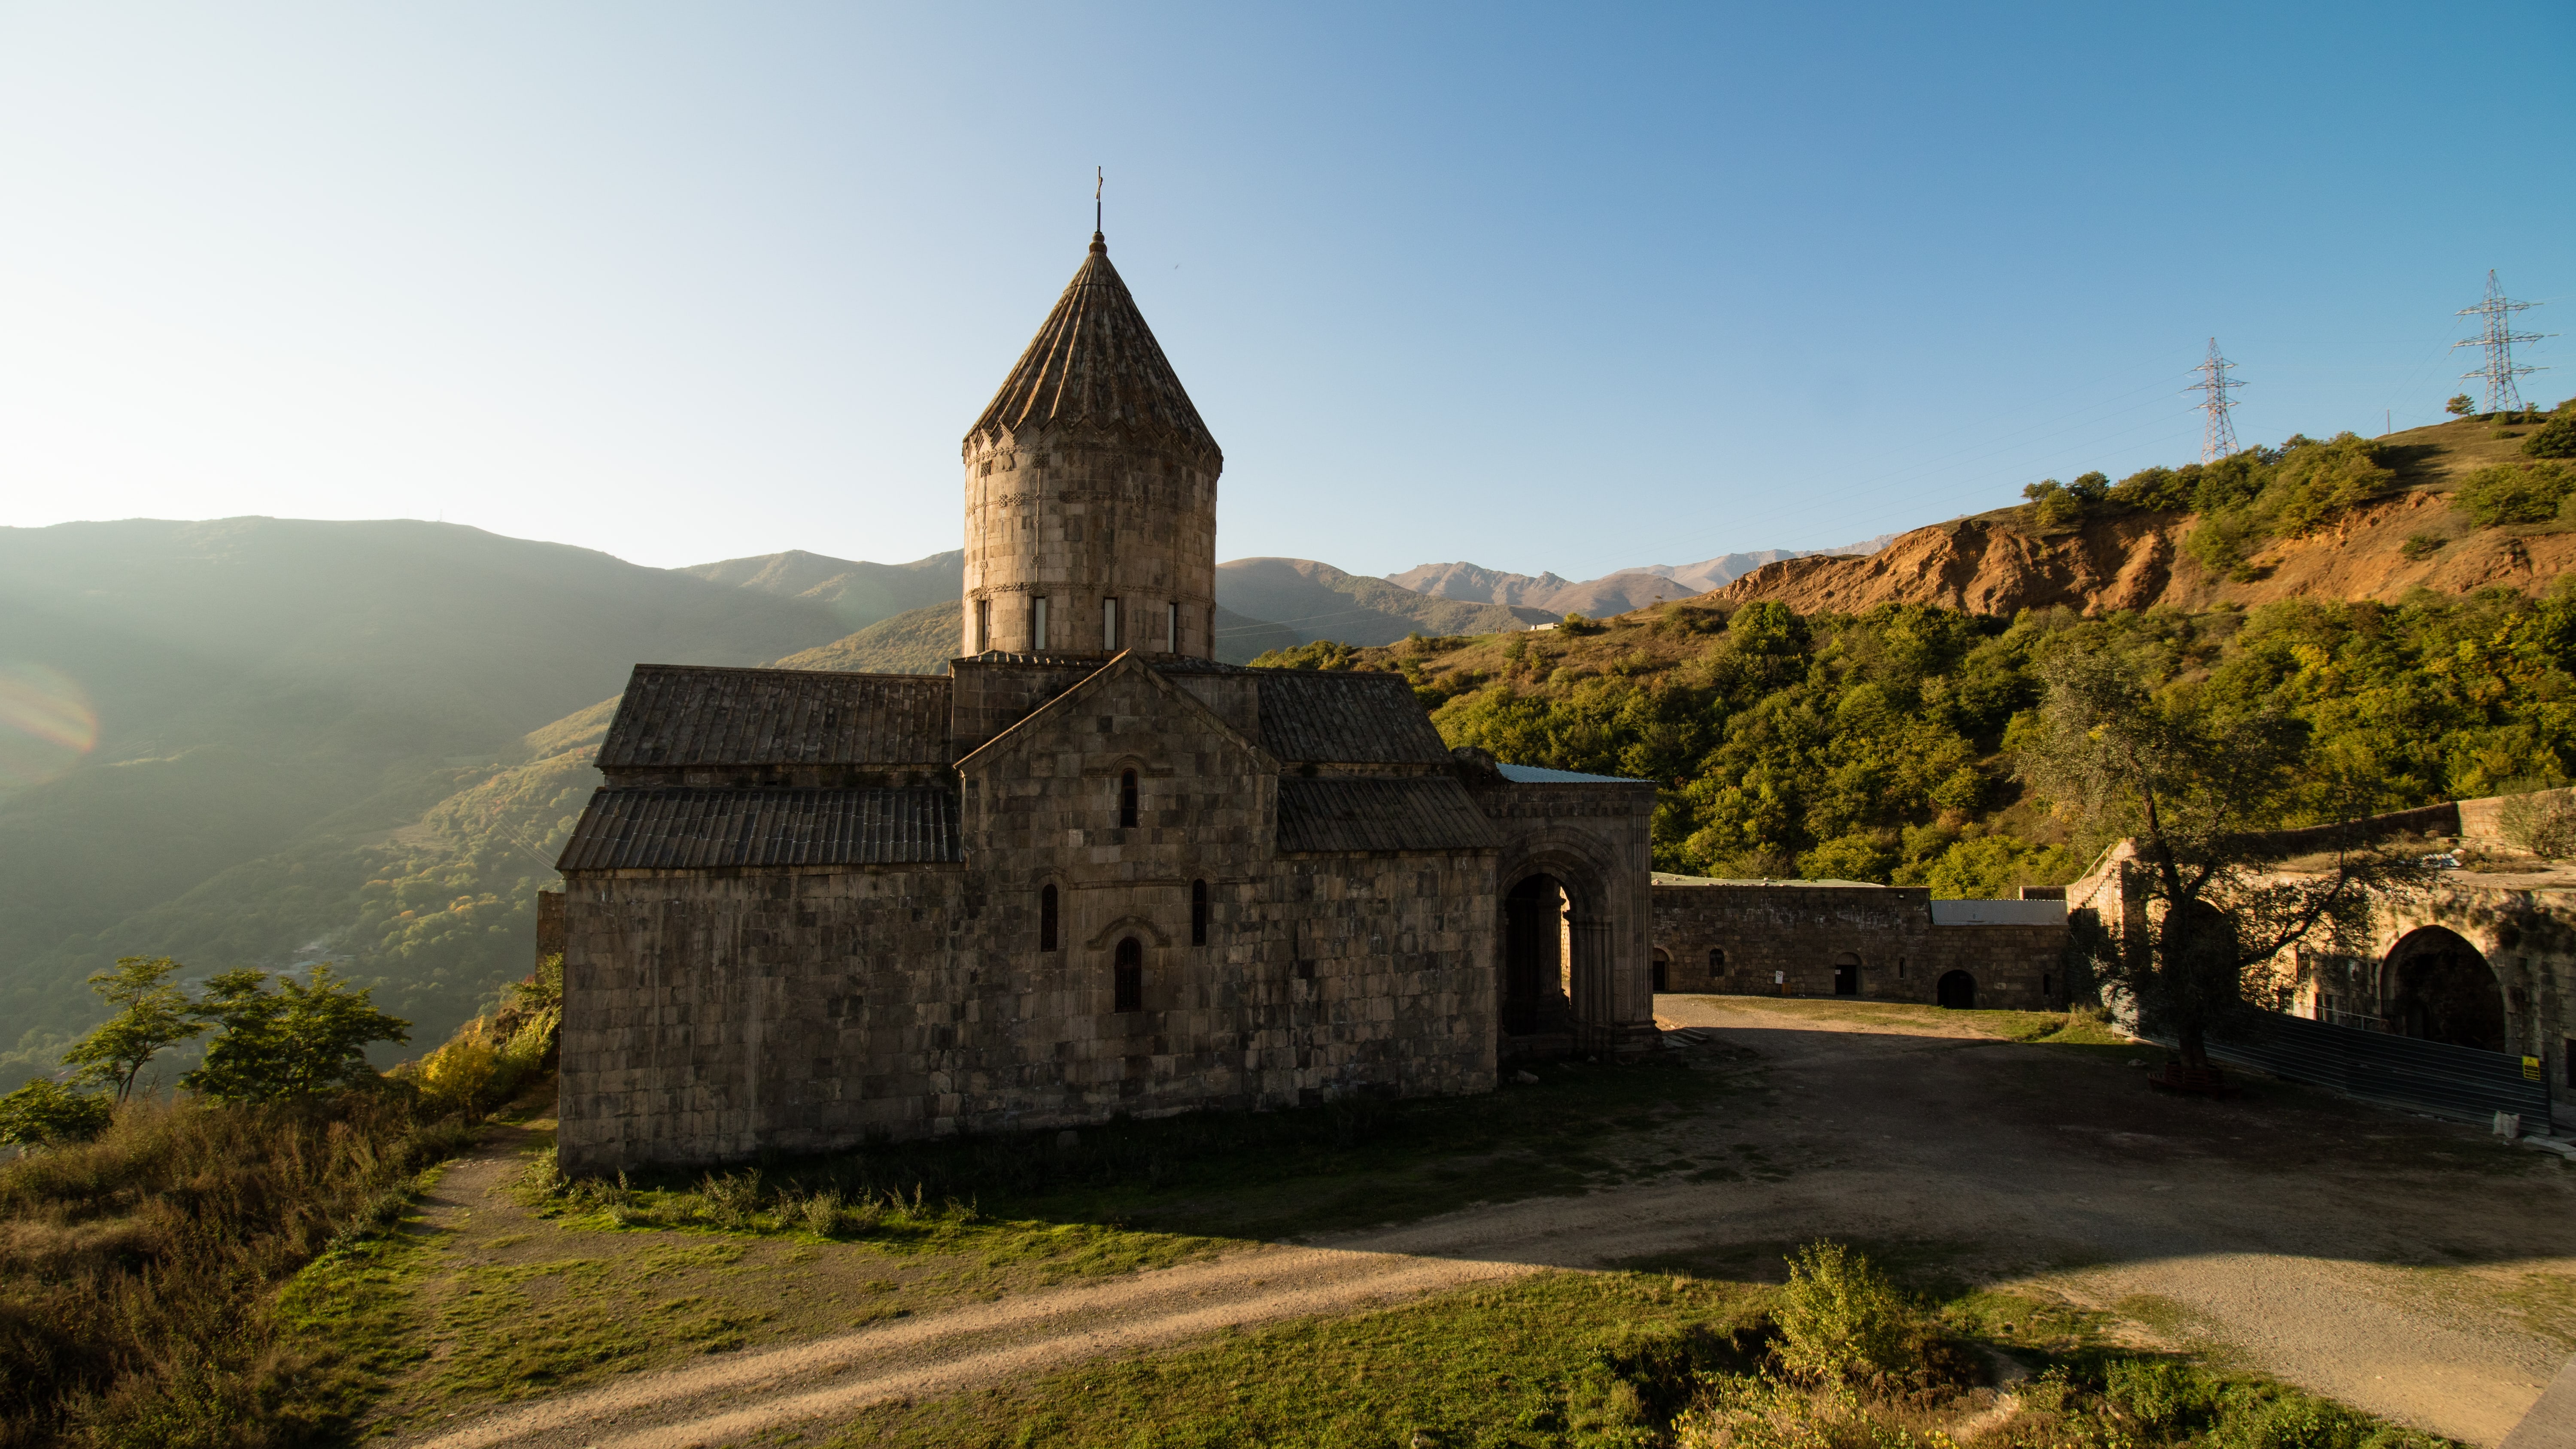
(2335, 1247)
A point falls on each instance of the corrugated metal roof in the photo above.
(684, 829)
(1541, 775)
(679, 714)
(1423, 812)
(1346, 719)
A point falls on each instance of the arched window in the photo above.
(1127, 800)
(1716, 960)
(1046, 919)
(1128, 976)
(1198, 913)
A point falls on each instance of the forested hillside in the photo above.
(1879, 745)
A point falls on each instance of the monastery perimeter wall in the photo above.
(1790, 938)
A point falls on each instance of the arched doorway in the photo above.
(1956, 990)
(2440, 988)
(1847, 975)
(1534, 957)
(1663, 969)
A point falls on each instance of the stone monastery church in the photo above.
(1090, 870)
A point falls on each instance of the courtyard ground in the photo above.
(2413, 1269)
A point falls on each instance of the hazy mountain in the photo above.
(1317, 601)
(1612, 593)
(276, 704)
(859, 593)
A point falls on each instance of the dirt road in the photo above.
(2404, 1267)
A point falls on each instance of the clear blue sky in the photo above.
(1570, 287)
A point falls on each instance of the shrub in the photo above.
(45, 1113)
(2422, 546)
(1841, 1321)
(2514, 493)
(2316, 483)
(2543, 823)
(1848, 857)
(2555, 439)
(2224, 543)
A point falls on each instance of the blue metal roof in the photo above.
(1536, 775)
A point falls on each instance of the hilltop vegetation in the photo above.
(2457, 507)
(1879, 745)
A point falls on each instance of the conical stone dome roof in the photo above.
(1095, 365)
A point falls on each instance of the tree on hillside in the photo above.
(152, 1013)
(2460, 405)
(2194, 779)
(293, 1041)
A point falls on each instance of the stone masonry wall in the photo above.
(1803, 932)
(711, 1015)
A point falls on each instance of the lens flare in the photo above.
(46, 724)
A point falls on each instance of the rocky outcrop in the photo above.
(1999, 564)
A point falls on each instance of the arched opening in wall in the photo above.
(1716, 963)
(1198, 912)
(1048, 919)
(1663, 967)
(1956, 990)
(1127, 977)
(1126, 799)
(1534, 957)
(1847, 975)
(2440, 988)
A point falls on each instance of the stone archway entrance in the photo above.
(1534, 959)
(2440, 988)
(1557, 995)
(1847, 975)
(1956, 990)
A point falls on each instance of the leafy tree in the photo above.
(2193, 777)
(2515, 492)
(2460, 405)
(293, 1041)
(45, 1113)
(2556, 438)
(152, 1014)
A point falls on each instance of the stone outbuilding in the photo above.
(2484, 958)
(1858, 940)
(1090, 871)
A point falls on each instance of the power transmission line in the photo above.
(2496, 335)
(2217, 431)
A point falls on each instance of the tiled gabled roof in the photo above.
(1422, 812)
(1346, 719)
(1095, 363)
(679, 714)
(686, 829)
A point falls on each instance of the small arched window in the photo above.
(1198, 913)
(1127, 982)
(1127, 800)
(1046, 919)
(1716, 960)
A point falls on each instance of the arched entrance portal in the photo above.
(1847, 975)
(1956, 990)
(1663, 965)
(2441, 989)
(1534, 957)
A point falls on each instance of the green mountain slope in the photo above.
(924, 640)
(275, 698)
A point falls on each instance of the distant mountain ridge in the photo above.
(1612, 593)
(860, 593)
